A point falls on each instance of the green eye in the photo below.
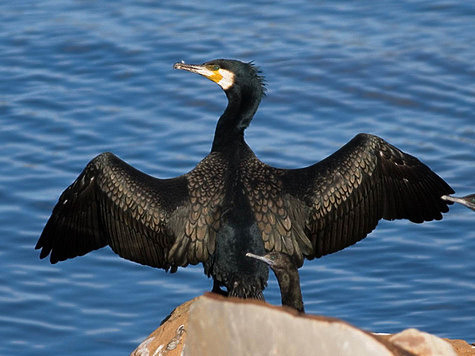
(215, 67)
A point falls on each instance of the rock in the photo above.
(242, 327)
(461, 347)
(214, 325)
(169, 338)
(422, 344)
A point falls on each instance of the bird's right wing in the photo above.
(162, 223)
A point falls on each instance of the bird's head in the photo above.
(275, 260)
(244, 88)
(229, 74)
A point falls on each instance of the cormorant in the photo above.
(231, 203)
(287, 275)
(468, 200)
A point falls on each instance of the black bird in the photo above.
(287, 275)
(468, 200)
(231, 203)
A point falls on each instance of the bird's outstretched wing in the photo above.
(162, 223)
(323, 208)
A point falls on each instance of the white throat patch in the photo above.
(227, 79)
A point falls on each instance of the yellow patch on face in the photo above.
(215, 76)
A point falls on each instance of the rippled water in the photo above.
(82, 77)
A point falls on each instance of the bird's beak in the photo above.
(261, 258)
(213, 75)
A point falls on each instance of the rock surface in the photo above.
(421, 343)
(169, 338)
(213, 325)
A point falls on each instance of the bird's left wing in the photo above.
(323, 208)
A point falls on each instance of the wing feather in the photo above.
(366, 180)
(143, 219)
(338, 201)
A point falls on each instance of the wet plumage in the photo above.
(231, 203)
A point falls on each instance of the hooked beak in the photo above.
(224, 78)
(203, 70)
(261, 258)
(194, 68)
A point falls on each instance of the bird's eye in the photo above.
(215, 67)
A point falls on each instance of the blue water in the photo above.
(81, 77)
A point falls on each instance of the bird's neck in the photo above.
(237, 116)
(289, 283)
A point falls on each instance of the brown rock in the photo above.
(461, 347)
(169, 338)
(219, 326)
(422, 344)
(213, 325)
